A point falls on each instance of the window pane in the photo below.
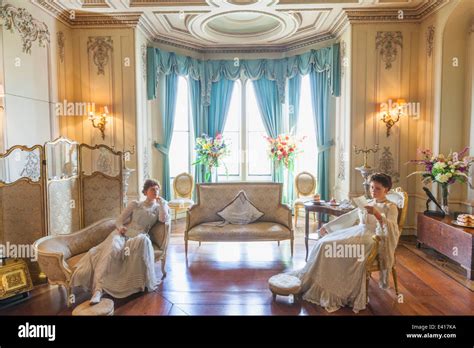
(257, 156)
(232, 161)
(179, 149)
(254, 119)
(308, 159)
(179, 153)
(232, 134)
(232, 122)
(181, 117)
(258, 161)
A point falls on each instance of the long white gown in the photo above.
(334, 275)
(124, 265)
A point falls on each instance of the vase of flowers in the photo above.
(283, 150)
(209, 153)
(444, 170)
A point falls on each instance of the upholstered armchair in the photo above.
(183, 185)
(400, 198)
(305, 185)
(58, 255)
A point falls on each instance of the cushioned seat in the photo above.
(180, 202)
(72, 261)
(257, 231)
(284, 285)
(104, 307)
(59, 255)
(214, 198)
(302, 200)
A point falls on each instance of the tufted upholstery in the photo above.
(284, 285)
(275, 224)
(104, 307)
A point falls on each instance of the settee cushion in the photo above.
(240, 211)
(250, 232)
(72, 262)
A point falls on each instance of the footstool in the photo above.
(104, 307)
(284, 285)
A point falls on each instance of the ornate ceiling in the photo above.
(227, 25)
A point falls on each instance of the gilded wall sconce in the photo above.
(391, 113)
(99, 120)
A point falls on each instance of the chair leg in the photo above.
(274, 296)
(314, 216)
(367, 279)
(68, 296)
(296, 216)
(199, 243)
(292, 242)
(395, 280)
(186, 248)
(278, 243)
(163, 269)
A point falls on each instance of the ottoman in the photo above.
(104, 307)
(284, 285)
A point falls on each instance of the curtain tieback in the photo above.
(325, 147)
(163, 149)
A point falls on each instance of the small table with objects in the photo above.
(321, 208)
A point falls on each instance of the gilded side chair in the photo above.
(400, 198)
(183, 185)
(305, 186)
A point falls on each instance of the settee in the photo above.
(202, 220)
(59, 254)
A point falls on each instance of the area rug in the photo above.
(441, 262)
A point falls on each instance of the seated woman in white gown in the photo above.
(124, 263)
(334, 275)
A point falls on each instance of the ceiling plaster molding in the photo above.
(391, 15)
(143, 23)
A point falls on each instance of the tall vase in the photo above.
(211, 174)
(444, 201)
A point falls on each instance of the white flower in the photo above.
(439, 165)
(442, 178)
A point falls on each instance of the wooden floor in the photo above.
(231, 279)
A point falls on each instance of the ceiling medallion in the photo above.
(254, 22)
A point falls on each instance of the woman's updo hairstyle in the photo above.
(383, 179)
(150, 183)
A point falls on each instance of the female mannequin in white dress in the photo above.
(334, 275)
(124, 263)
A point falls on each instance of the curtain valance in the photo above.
(209, 71)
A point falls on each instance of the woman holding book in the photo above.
(334, 275)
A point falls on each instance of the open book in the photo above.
(360, 202)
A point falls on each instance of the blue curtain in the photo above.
(209, 71)
(221, 94)
(210, 119)
(320, 101)
(266, 93)
(294, 88)
(200, 118)
(168, 110)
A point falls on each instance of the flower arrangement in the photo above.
(283, 149)
(209, 152)
(444, 170)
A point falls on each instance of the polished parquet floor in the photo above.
(231, 279)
